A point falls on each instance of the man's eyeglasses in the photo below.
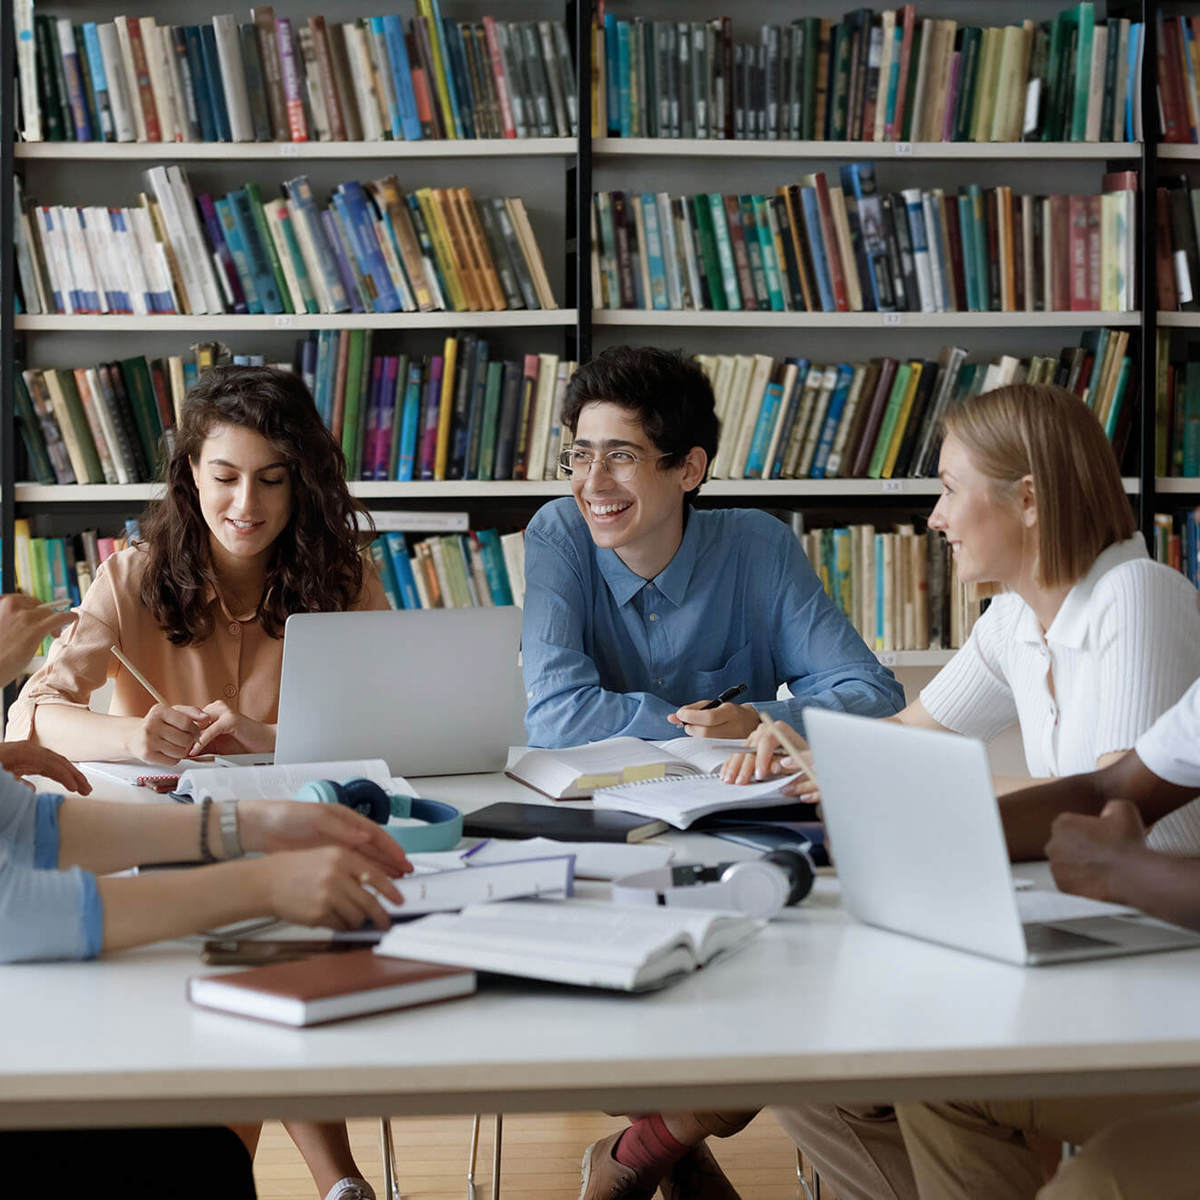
(622, 465)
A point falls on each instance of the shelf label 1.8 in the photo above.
(891, 486)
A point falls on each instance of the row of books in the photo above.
(817, 247)
(796, 419)
(62, 568)
(373, 249)
(1177, 542)
(1177, 245)
(460, 414)
(1177, 408)
(293, 80)
(899, 589)
(481, 569)
(872, 76)
(1178, 76)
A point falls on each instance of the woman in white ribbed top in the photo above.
(1087, 641)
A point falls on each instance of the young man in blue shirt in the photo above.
(640, 609)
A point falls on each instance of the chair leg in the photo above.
(471, 1158)
(813, 1193)
(496, 1157)
(391, 1185)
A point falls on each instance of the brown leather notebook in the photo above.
(329, 987)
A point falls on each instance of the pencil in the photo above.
(783, 738)
(158, 699)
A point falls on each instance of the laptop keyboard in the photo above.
(1046, 939)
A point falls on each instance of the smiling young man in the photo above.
(639, 609)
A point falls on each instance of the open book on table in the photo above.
(583, 942)
(681, 802)
(575, 772)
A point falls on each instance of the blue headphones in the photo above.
(445, 822)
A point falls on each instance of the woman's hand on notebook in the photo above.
(328, 887)
(238, 733)
(166, 733)
(275, 825)
(724, 721)
(767, 757)
(28, 758)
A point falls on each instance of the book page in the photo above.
(705, 753)
(596, 764)
(682, 801)
(276, 782)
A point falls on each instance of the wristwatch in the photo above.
(227, 819)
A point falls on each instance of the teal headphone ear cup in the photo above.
(361, 795)
(319, 791)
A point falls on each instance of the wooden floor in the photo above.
(540, 1158)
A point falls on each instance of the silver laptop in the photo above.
(915, 832)
(431, 692)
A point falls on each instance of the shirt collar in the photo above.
(211, 594)
(1070, 624)
(672, 581)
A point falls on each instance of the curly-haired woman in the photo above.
(257, 523)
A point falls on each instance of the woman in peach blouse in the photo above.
(257, 523)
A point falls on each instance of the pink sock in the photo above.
(647, 1144)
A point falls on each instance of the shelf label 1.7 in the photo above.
(283, 320)
(891, 319)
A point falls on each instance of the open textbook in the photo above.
(681, 802)
(575, 772)
(583, 942)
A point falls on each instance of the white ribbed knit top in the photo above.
(1123, 648)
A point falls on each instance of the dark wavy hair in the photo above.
(668, 391)
(317, 564)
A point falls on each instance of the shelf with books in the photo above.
(868, 320)
(267, 151)
(1179, 153)
(611, 147)
(902, 659)
(1175, 485)
(231, 322)
(1179, 320)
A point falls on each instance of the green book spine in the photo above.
(812, 33)
(1083, 71)
(491, 420)
(771, 265)
(910, 96)
(1052, 125)
(971, 40)
(890, 416)
(716, 206)
(307, 295)
(708, 251)
(40, 558)
(31, 433)
(350, 411)
(139, 389)
(364, 399)
(1118, 398)
(87, 439)
(264, 236)
(840, 100)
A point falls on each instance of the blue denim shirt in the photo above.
(607, 653)
(45, 913)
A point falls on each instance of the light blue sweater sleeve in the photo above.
(45, 913)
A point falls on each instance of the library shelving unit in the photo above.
(563, 173)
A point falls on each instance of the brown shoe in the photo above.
(603, 1178)
(698, 1177)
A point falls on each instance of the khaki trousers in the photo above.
(1133, 1148)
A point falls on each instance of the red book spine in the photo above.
(497, 62)
(1094, 253)
(1060, 258)
(837, 273)
(141, 70)
(1078, 224)
(1169, 85)
(1168, 298)
(909, 21)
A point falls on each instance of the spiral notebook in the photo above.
(680, 802)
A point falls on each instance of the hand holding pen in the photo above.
(718, 717)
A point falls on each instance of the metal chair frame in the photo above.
(391, 1185)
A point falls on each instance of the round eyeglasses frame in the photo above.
(622, 465)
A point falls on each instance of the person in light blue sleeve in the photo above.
(641, 609)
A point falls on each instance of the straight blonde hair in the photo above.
(1046, 432)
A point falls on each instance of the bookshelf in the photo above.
(561, 175)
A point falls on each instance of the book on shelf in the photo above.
(281, 78)
(589, 944)
(574, 772)
(819, 246)
(1178, 76)
(899, 589)
(328, 987)
(455, 570)
(1177, 542)
(1177, 407)
(1177, 234)
(890, 75)
(373, 249)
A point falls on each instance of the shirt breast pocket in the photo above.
(736, 669)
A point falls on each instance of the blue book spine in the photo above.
(256, 253)
(237, 250)
(792, 416)
(816, 248)
(397, 545)
(411, 423)
(200, 83)
(382, 559)
(338, 248)
(623, 81)
(438, 26)
(966, 225)
(458, 77)
(772, 268)
(979, 240)
(653, 251)
(308, 365)
(879, 578)
(859, 180)
(837, 405)
(387, 416)
(768, 414)
(1135, 38)
(406, 98)
(91, 43)
(354, 207)
(322, 389)
(612, 85)
(300, 197)
(216, 92)
(116, 222)
(494, 568)
(390, 96)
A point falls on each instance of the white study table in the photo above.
(817, 1007)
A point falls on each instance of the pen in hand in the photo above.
(724, 698)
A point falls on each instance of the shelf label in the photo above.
(892, 485)
(283, 320)
(886, 658)
(891, 319)
(289, 149)
(904, 148)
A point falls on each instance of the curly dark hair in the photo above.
(666, 389)
(317, 564)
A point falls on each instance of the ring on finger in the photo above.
(364, 877)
